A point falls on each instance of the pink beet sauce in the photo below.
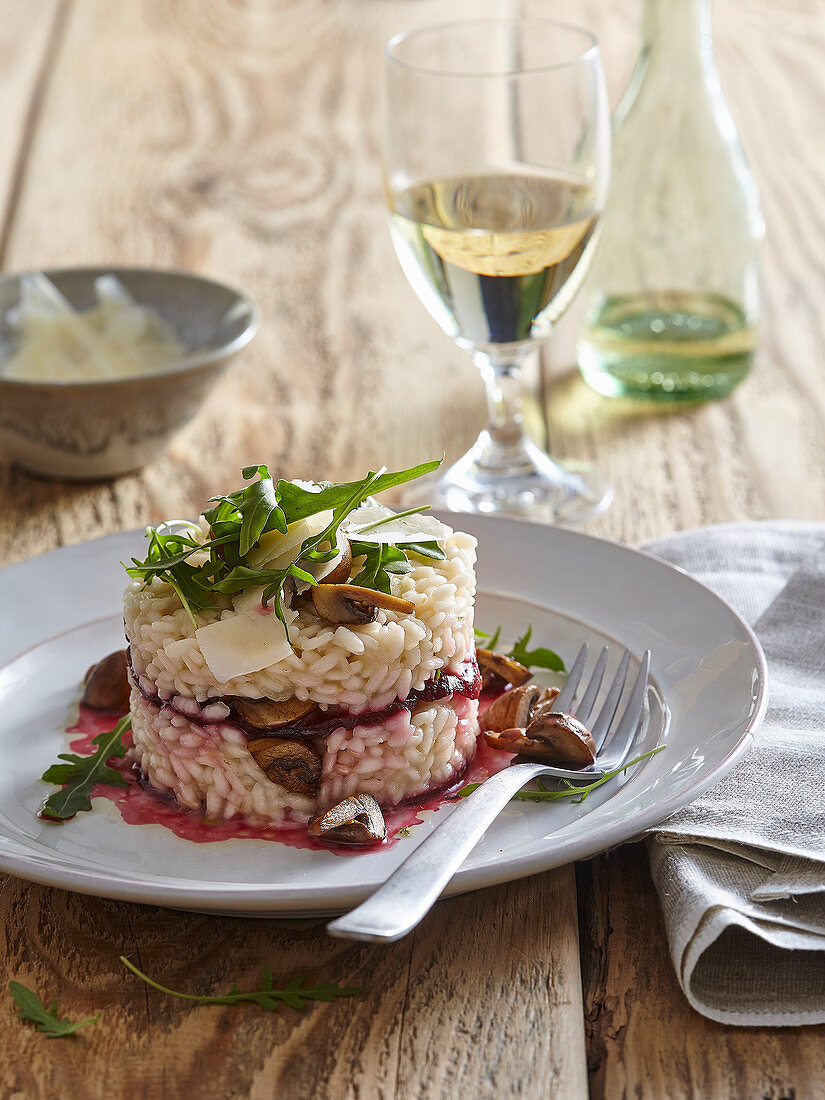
(140, 805)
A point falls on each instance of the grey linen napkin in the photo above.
(741, 871)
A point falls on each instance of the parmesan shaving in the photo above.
(117, 338)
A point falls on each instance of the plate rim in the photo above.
(256, 899)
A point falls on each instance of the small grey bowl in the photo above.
(82, 431)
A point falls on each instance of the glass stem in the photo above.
(503, 447)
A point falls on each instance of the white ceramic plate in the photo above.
(61, 613)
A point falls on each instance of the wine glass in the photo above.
(496, 155)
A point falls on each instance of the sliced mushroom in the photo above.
(107, 684)
(340, 574)
(266, 714)
(295, 765)
(544, 703)
(552, 738)
(498, 670)
(356, 820)
(349, 603)
(513, 708)
(517, 707)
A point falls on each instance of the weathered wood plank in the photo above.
(29, 38)
(644, 1039)
(241, 141)
(246, 148)
(759, 454)
(485, 995)
(260, 168)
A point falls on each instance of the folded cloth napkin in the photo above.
(741, 871)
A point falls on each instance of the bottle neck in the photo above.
(679, 30)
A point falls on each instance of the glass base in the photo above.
(548, 490)
(671, 347)
(664, 383)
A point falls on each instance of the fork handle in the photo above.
(410, 892)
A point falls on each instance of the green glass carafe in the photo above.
(673, 295)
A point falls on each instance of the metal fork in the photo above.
(410, 892)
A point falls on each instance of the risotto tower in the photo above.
(239, 713)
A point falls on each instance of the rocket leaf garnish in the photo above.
(380, 561)
(535, 658)
(239, 520)
(31, 1008)
(80, 773)
(530, 658)
(295, 993)
(566, 788)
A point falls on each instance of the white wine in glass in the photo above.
(496, 155)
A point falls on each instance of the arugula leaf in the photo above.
(45, 1019)
(298, 503)
(238, 520)
(493, 638)
(380, 560)
(531, 658)
(242, 577)
(295, 993)
(567, 787)
(423, 549)
(80, 773)
(391, 518)
(260, 512)
(535, 658)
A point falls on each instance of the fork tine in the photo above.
(568, 692)
(622, 736)
(602, 724)
(585, 707)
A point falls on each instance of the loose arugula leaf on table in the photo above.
(80, 773)
(296, 993)
(567, 788)
(45, 1019)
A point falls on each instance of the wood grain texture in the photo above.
(761, 453)
(239, 139)
(29, 39)
(644, 1039)
(246, 148)
(449, 1011)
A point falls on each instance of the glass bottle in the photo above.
(672, 299)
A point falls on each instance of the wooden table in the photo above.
(239, 140)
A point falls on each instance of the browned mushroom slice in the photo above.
(107, 684)
(554, 738)
(266, 714)
(340, 574)
(498, 670)
(544, 703)
(563, 740)
(356, 820)
(513, 708)
(295, 765)
(349, 603)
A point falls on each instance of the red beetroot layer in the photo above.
(441, 686)
(140, 804)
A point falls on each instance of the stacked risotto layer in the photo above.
(188, 743)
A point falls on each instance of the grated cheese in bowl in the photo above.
(117, 338)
